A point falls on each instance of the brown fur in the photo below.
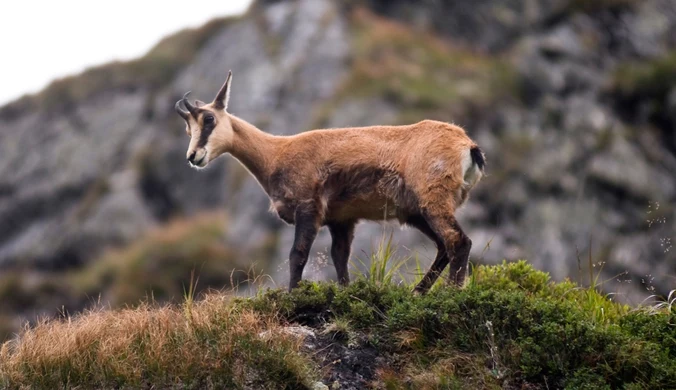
(336, 177)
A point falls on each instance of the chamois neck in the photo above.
(254, 148)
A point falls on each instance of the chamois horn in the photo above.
(194, 111)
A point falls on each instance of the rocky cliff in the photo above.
(573, 101)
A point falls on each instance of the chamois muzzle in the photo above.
(198, 158)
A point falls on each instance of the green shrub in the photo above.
(518, 275)
(542, 332)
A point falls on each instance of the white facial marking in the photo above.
(201, 159)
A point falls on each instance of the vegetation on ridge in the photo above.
(510, 327)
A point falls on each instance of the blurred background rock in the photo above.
(573, 101)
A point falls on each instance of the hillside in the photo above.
(509, 328)
(573, 102)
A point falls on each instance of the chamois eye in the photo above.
(208, 119)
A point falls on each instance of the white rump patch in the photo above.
(470, 171)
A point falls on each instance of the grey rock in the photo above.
(565, 165)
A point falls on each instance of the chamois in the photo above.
(418, 174)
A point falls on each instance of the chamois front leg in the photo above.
(341, 236)
(307, 225)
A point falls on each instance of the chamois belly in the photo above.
(349, 195)
(374, 209)
(364, 193)
(374, 201)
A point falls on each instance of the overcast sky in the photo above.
(45, 40)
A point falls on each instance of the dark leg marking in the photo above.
(453, 246)
(460, 259)
(441, 259)
(307, 226)
(341, 236)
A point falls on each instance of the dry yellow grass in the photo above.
(157, 265)
(207, 344)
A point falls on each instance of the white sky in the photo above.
(44, 40)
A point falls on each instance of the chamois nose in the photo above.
(191, 158)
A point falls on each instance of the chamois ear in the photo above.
(199, 103)
(221, 100)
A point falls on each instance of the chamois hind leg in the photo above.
(307, 225)
(460, 259)
(441, 259)
(341, 236)
(456, 244)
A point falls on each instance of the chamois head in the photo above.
(208, 126)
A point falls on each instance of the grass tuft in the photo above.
(383, 265)
(217, 346)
